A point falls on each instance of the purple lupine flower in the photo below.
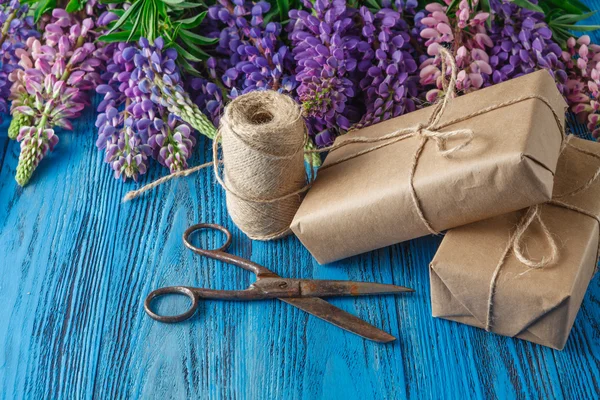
(208, 96)
(522, 43)
(172, 143)
(390, 81)
(124, 149)
(252, 57)
(158, 77)
(144, 127)
(325, 43)
(50, 89)
(15, 28)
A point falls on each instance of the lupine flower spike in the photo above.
(50, 88)
(257, 58)
(466, 33)
(325, 49)
(582, 60)
(15, 28)
(390, 82)
(131, 126)
(159, 77)
(522, 44)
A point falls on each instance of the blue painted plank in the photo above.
(76, 264)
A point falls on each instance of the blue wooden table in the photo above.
(76, 264)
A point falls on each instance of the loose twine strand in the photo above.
(515, 242)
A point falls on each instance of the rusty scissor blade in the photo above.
(340, 318)
(325, 288)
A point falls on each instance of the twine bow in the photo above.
(515, 242)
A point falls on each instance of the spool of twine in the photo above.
(263, 136)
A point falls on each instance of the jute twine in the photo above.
(263, 153)
(515, 242)
(278, 170)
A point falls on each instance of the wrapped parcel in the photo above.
(366, 202)
(535, 304)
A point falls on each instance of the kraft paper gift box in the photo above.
(365, 202)
(535, 304)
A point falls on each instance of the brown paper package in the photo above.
(538, 305)
(365, 203)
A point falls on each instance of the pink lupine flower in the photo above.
(465, 32)
(50, 89)
(582, 61)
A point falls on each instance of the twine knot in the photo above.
(441, 138)
(515, 242)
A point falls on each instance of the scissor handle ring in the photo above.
(171, 290)
(198, 227)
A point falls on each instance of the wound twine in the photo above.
(515, 242)
(263, 157)
(271, 170)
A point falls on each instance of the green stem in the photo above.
(6, 26)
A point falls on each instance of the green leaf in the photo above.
(112, 2)
(423, 3)
(118, 37)
(373, 4)
(570, 6)
(452, 6)
(284, 8)
(580, 28)
(188, 56)
(172, 2)
(73, 6)
(135, 8)
(194, 50)
(187, 67)
(186, 4)
(149, 22)
(485, 6)
(272, 13)
(42, 7)
(553, 14)
(528, 5)
(136, 24)
(192, 22)
(119, 12)
(197, 39)
(560, 35)
(572, 18)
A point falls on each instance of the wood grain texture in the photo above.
(76, 264)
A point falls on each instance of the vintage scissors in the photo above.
(302, 293)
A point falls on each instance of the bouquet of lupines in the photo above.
(15, 28)
(169, 68)
(50, 89)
